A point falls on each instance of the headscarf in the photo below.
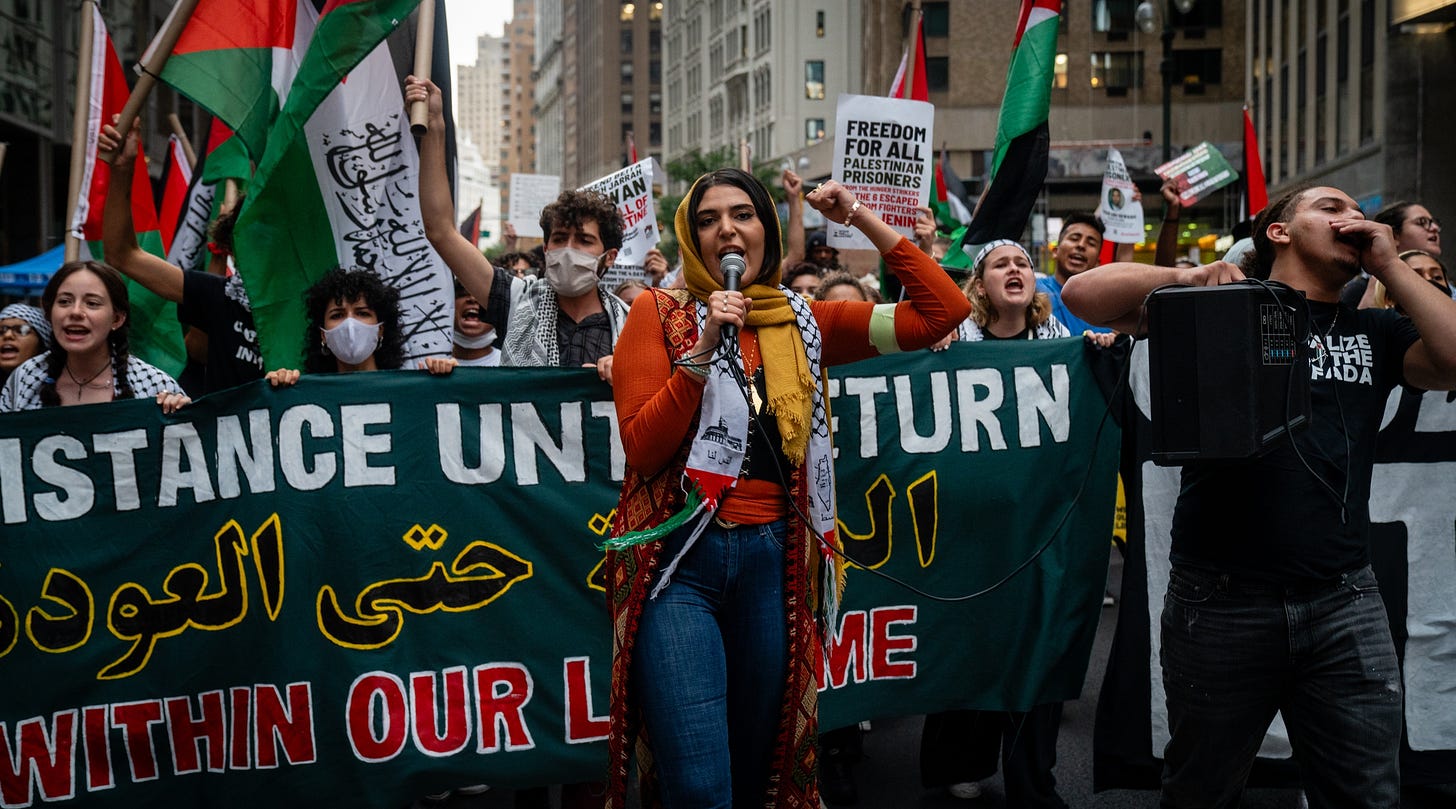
(32, 315)
(785, 365)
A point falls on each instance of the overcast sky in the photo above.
(471, 18)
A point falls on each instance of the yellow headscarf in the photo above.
(785, 365)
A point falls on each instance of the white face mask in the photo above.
(352, 341)
(571, 272)
(482, 341)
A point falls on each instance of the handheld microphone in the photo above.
(733, 267)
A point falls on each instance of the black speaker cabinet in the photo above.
(1220, 364)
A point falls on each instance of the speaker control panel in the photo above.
(1276, 335)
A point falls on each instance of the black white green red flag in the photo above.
(1019, 162)
(154, 332)
(237, 59)
(337, 186)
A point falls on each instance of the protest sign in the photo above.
(371, 587)
(529, 194)
(631, 190)
(882, 155)
(1198, 173)
(1121, 214)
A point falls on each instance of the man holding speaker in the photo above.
(1271, 603)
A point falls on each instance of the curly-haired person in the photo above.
(563, 318)
(353, 325)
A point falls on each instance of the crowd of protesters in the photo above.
(739, 667)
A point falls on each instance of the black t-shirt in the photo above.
(1021, 335)
(497, 310)
(584, 341)
(219, 307)
(1268, 517)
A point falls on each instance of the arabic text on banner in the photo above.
(368, 588)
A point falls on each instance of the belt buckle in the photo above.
(726, 524)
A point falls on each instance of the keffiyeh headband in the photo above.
(32, 315)
(992, 245)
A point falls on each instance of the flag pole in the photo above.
(915, 13)
(419, 113)
(183, 139)
(80, 123)
(152, 68)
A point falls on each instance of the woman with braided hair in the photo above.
(89, 360)
(723, 553)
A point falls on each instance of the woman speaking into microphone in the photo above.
(724, 553)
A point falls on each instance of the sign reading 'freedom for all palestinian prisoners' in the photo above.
(882, 155)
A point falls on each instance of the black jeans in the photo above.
(1236, 652)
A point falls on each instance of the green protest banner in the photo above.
(371, 587)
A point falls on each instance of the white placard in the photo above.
(882, 154)
(529, 194)
(631, 190)
(1121, 215)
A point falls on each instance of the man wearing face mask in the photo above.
(562, 318)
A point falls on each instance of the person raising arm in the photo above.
(1271, 603)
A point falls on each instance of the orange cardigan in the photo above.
(656, 405)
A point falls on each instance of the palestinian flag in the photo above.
(950, 212)
(1257, 190)
(176, 178)
(222, 159)
(155, 334)
(226, 157)
(338, 186)
(918, 89)
(237, 59)
(1019, 163)
(470, 228)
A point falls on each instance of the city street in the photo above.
(889, 776)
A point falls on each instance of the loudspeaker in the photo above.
(1229, 369)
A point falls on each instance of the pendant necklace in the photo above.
(88, 380)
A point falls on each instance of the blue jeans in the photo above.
(710, 663)
(1234, 652)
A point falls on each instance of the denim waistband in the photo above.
(1248, 585)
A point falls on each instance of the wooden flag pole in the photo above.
(152, 67)
(182, 136)
(419, 113)
(80, 124)
(229, 195)
(915, 12)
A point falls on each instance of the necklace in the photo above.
(1324, 342)
(88, 380)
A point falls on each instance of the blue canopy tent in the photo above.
(26, 279)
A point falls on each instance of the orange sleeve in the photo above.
(933, 307)
(656, 402)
